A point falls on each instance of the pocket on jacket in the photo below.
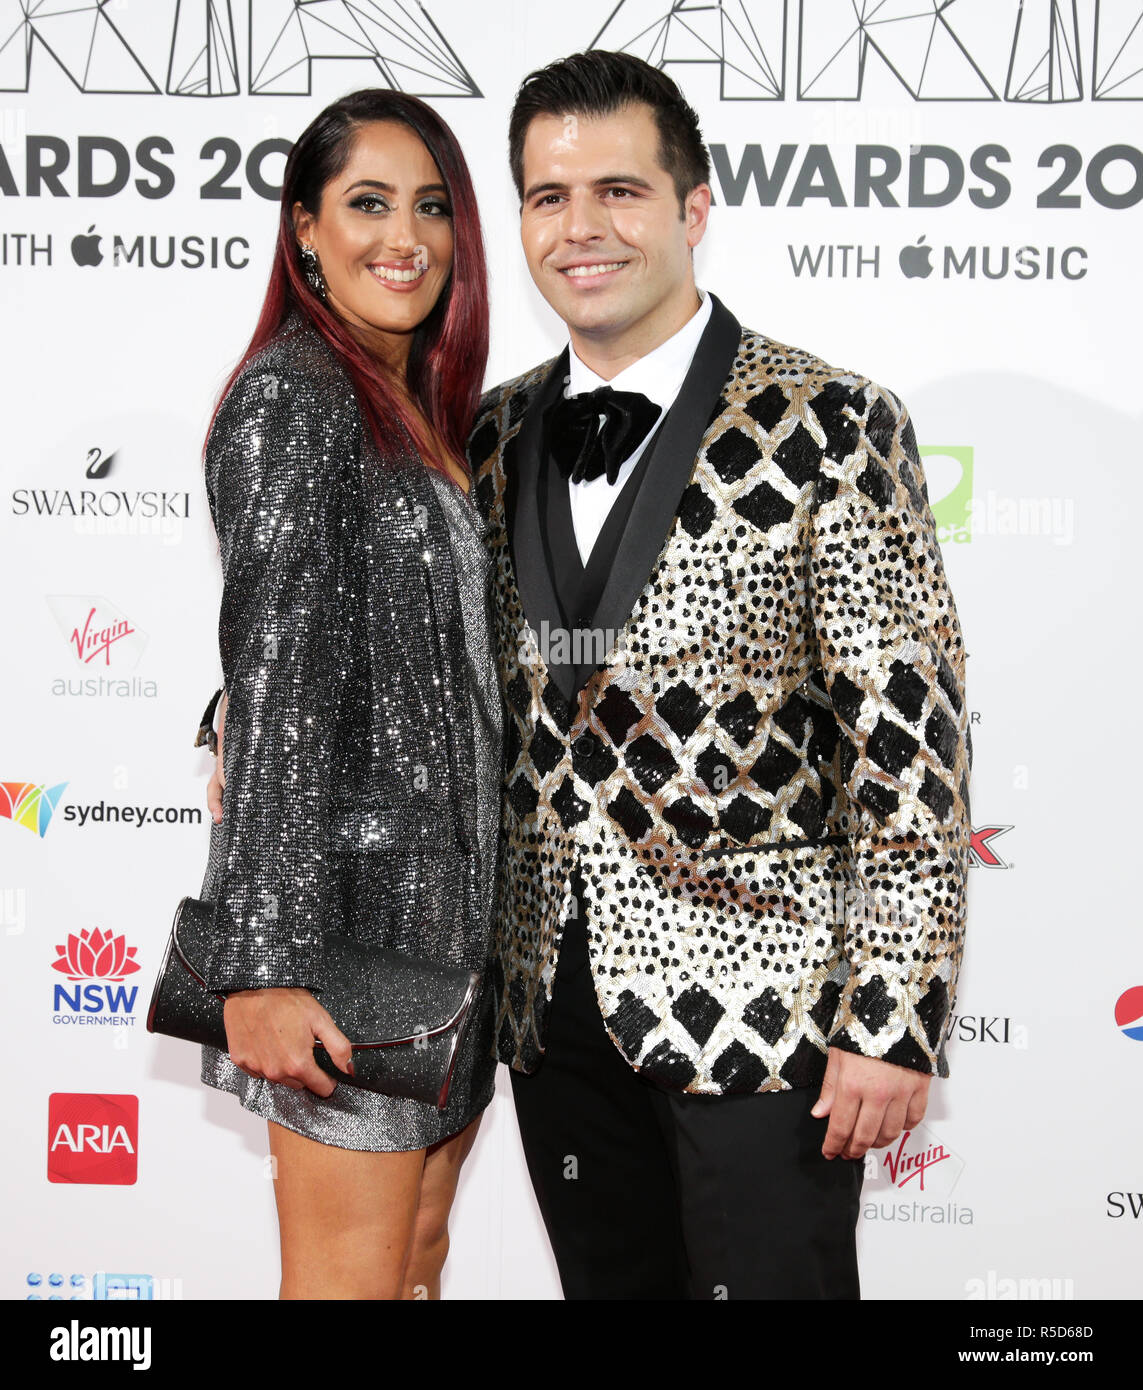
(410, 900)
(365, 827)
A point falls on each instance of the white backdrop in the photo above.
(1007, 141)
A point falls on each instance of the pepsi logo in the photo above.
(1129, 1013)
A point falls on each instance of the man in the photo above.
(737, 816)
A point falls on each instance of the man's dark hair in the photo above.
(599, 83)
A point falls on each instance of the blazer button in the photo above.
(585, 744)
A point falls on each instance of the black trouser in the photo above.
(654, 1194)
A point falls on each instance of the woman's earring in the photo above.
(312, 271)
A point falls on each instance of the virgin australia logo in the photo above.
(95, 629)
(915, 1157)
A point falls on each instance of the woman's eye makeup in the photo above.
(370, 202)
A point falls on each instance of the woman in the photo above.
(361, 761)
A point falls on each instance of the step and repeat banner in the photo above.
(943, 196)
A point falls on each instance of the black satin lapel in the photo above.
(561, 555)
(657, 502)
(533, 579)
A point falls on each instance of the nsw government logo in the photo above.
(92, 1138)
(104, 961)
(1129, 1013)
(912, 1180)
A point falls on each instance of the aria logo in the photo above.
(104, 959)
(91, 42)
(95, 628)
(93, 1138)
(844, 50)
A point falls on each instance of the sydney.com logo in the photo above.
(33, 806)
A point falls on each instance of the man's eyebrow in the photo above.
(388, 187)
(604, 181)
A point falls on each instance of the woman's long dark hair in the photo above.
(450, 348)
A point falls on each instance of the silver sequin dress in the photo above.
(345, 573)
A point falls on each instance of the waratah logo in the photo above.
(96, 955)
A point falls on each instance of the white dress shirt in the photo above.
(659, 374)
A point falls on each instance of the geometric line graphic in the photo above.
(408, 51)
(1117, 53)
(204, 55)
(29, 805)
(79, 35)
(913, 39)
(746, 38)
(1045, 67)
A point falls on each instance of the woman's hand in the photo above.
(271, 1032)
(218, 777)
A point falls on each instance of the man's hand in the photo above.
(869, 1103)
(271, 1032)
(218, 777)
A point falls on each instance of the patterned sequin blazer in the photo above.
(764, 786)
(350, 801)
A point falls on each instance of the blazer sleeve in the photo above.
(275, 460)
(893, 659)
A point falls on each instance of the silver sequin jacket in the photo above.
(350, 801)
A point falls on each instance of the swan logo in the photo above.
(98, 463)
(29, 804)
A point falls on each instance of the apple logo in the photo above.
(85, 249)
(915, 260)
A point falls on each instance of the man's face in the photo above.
(601, 227)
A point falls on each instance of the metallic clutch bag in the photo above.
(406, 1017)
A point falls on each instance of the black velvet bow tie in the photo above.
(594, 432)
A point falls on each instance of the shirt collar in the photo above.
(658, 374)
